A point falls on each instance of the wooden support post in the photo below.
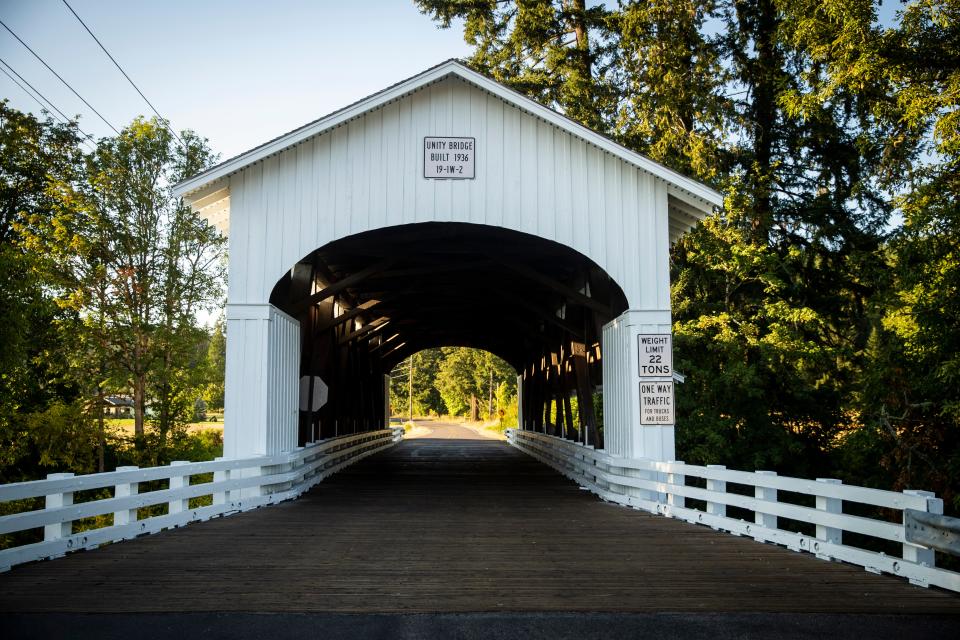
(766, 520)
(825, 533)
(678, 479)
(556, 387)
(125, 490)
(58, 530)
(545, 400)
(179, 505)
(536, 399)
(570, 432)
(588, 421)
(220, 497)
(718, 486)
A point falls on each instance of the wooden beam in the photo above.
(581, 372)
(376, 325)
(348, 315)
(349, 281)
(433, 269)
(569, 292)
(384, 342)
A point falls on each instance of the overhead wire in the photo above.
(59, 77)
(42, 100)
(32, 92)
(165, 122)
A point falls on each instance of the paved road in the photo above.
(457, 536)
(445, 431)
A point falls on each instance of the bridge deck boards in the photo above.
(453, 525)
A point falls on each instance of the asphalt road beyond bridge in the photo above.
(456, 535)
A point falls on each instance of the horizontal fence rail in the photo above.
(125, 511)
(700, 494)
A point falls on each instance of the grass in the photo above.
(125, 425)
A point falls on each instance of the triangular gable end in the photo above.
(689, 200)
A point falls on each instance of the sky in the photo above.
(237, 72)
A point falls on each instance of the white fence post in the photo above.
(125, 490)
(58, 530)
(916, 553)
(220, 497)
(824, 533)
(716, 486)
(676, 479)
(765, 520)
(179, 482)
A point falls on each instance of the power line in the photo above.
(165, 122)
(42, 100)
(49, 68)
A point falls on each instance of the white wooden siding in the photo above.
(368, 173)
(262, 381)
(623, 434)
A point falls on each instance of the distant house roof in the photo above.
(118, 401)
(207, 192)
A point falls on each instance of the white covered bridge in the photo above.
(450, 210)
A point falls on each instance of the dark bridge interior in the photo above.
(368, 301)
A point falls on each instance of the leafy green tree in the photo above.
(908, 402)
(558, 51)
(137, 265)
(670, 82)
(818, 123)
(468, 379)
(426, 398)
(163, 264)
(217, 366)
(45, 416)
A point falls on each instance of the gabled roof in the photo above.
(203, 190)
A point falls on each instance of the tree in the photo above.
(426, 398)
(162, 262)
(557, 51)
(44, 414)
(817, 122)
(908, 399)
(137, 265)
(466, 378)
(217, 365)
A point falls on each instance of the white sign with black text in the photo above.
(449, 158)
(656, 403)
(656, 355)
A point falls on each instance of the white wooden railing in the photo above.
(237, 485)
(665, 487)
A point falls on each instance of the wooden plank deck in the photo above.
(449, 524)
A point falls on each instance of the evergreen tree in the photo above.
(793, 304)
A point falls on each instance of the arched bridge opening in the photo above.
(367, 301)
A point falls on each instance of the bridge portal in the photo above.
(446, 210)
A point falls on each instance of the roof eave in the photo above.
(681, 184)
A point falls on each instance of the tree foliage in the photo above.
(450, 380)
(819, 335)
(102, 273)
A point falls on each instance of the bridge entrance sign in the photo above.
(449, 158)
